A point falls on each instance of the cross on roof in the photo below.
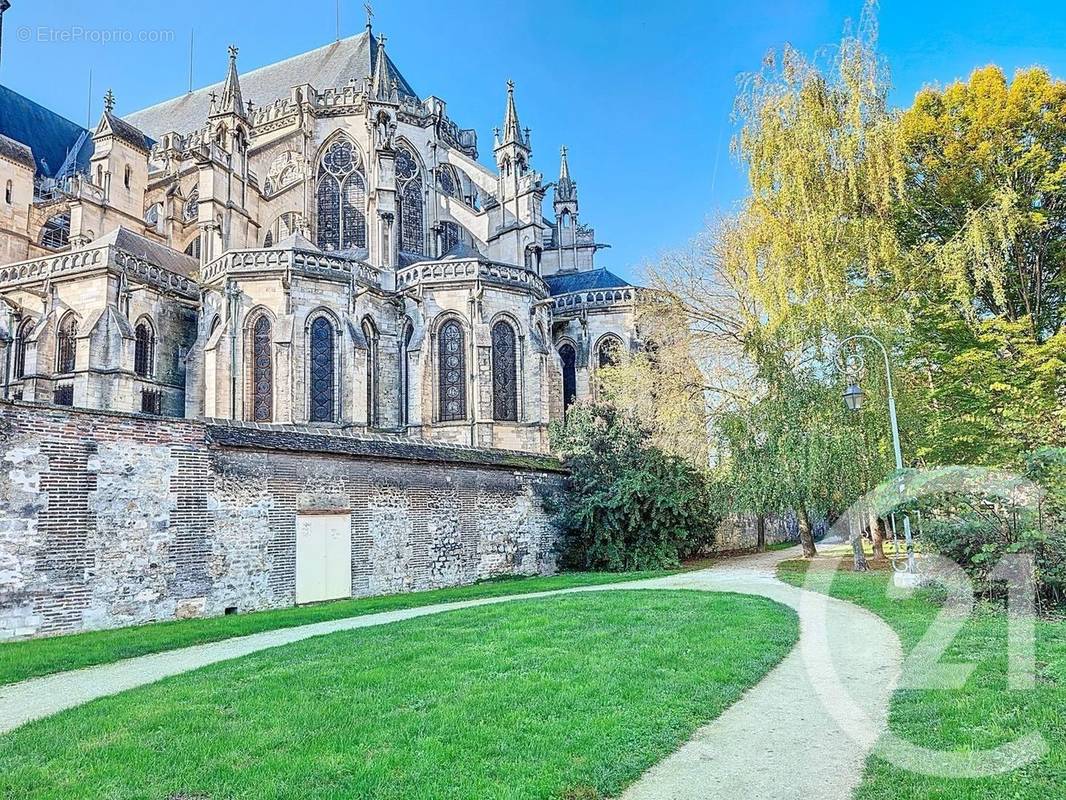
(233, 50)
(369, 14)
(109, 101)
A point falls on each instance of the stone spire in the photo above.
(512, 129)
(566, 188)
(231, 101)
(384, 85)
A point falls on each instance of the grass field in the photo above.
(34, 657)
(983, 714)
(561, 698)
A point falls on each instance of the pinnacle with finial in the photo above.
(109, 101)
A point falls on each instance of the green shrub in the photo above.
(977, 531)
(628, 504)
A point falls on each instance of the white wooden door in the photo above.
(323, 557)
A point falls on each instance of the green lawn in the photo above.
(559, 698)
(982, 714)
(30, 658)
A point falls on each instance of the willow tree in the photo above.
(816, 237)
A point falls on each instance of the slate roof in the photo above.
(563, 283)
(227, 433)
(17, 152)
(127, 133)
(51, 137)
(152, 252)
(329, 67)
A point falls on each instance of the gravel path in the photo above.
(832, 690)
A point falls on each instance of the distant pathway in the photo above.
(766, 746)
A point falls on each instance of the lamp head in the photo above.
(854, 396)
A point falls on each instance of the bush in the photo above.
(628, 504)
(976, 532)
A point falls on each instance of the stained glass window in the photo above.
(449, 236)
(262, 371)
(411, 204)
(569, 358)
(446, 182)
(452, 372)
(341, 198)
(144, 343)
(504, 373)
(321, 371)
(371, 335)
(194, 248)
(192, 206)
(405, 372)
(67, 344)
(21, 338)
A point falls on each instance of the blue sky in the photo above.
(640, 91)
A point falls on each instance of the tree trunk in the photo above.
(806, 537)
(760, 533)
(877, 537)
(858, 556)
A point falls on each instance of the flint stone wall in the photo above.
(111, 519)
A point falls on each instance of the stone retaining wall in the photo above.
(111, 519)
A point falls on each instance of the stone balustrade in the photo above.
(106, 256)
(315, 265)
(574, 302)
(437, 272)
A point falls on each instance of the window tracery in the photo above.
(321, 370)
(341, 197)
(504, 373)
(262, 371)
(67, 344)
(411, 203)
(144, 345)
(452, 369)
(191, 212)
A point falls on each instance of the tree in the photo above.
(629, 505)
(985, 200)
(662, 385)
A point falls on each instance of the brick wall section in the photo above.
(110, 519)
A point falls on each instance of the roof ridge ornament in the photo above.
(109, 102)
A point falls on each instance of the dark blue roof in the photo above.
(50, 136)
(562, 283)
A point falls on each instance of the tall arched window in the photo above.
(144, 348)
(22, 336)
(127, 176)
(371, 335)
(8, 192)
(452, 367)
(67, 344)
(262, 370)
(504, 373)
(568, 355)
(341, 197)
(405, 372)
(194, 248)
(55, 235)
(321, 396)
(411, 203)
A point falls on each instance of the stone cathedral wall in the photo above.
(111, 519)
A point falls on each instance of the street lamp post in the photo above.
(854, 397)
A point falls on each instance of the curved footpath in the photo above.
(831, 691)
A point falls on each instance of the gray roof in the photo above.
(17, 152)
(51, 137)
(153, 252)
(126, 132)
(589, 280)
(329, 67)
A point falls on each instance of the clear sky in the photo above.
(640, 91)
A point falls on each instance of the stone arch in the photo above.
(451, 334)
(322, 334)
(144, 347)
